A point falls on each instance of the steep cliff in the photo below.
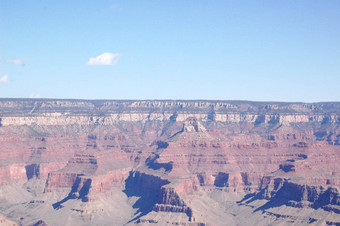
(169, 162)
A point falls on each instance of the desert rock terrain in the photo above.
(125, 162)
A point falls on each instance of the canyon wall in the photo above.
(81, 157)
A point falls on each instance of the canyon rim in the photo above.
(169, 162)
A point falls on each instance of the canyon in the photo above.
(169, 162)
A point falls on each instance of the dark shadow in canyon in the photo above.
(80, 190)
(148, 188)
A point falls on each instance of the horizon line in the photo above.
(173, 100)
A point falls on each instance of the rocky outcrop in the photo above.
(60, 180)
(169, 201)
(174, 209)
(154, 195)
(280, 190)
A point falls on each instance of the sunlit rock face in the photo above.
(79, 162)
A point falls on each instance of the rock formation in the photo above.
(102, 162)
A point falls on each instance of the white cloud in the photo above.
(15, 61)
(34, 95)
(104, 59)
(4, 79)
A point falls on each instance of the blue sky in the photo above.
(155, 49)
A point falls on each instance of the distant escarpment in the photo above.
(84, 162)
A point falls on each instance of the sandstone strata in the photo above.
(169, 162)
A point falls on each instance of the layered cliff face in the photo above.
(169, 162)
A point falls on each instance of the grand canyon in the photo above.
(169, 162)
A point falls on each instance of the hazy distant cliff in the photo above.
(82, 111)
(36, 106)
